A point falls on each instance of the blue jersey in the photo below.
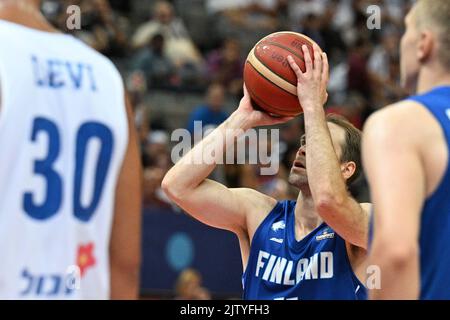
(282, 268)
(435, 220)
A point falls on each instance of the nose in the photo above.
(302, 151)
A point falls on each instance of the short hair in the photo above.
(436, 14)
(351, 150)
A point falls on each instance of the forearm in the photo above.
(324, 172)
(193, 168)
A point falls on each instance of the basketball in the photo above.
(269, 79)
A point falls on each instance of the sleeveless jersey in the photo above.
(63, 136)
(435, 220)
(282, 268)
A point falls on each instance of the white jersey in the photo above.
(63, 137)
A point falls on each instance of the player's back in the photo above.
(63, 136)
(435, 219)
(282, 268)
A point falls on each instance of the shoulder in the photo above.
(254, 199)
(407, 113)
(404, 122)
(394, 113)
(96, 57)
(257, 205)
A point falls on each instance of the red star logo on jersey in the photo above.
(85, 257)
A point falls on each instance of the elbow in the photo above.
(328, 203)
(167, 186)
(171, 188)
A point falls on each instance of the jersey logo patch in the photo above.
(325, 235)
(85, 257)
(278, 225)
(276, 240)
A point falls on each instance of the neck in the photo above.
(306, 217)
(431, 77)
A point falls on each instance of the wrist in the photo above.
(238, 121)
(313, 107)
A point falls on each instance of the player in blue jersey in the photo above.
(312, 248)
(406, 152)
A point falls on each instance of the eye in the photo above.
(302, 141)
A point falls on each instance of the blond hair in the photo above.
(435, 14)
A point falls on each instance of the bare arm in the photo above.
(332, 200)
(397, 182)
(125, 249)
(209, 201)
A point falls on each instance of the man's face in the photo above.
(164, 13)
(409, 63)
(298, 176)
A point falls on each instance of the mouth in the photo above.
(299, 165)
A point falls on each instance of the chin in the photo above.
(297, 180)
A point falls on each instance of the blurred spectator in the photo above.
(136, 86)
(189, 286)
(157, 162)
(333, 42)
(246, 20)
(101, 27)
(382, 53)
(178, 46)
(383, 65)
(157, 150)
(358, 77)
(155, 65)
(354, 109)
(225, 66)
(121, 6)
(301, 9)
(311, 26)
(152, 183)
(211, 113)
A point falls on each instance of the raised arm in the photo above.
(209, 201)
(397, 181)
(332, 200)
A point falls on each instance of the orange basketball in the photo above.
(269, 79)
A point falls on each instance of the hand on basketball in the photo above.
(256, 118)
(312, 84)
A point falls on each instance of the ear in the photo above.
(425, 45)
(348, 169)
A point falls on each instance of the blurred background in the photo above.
(182, 61)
